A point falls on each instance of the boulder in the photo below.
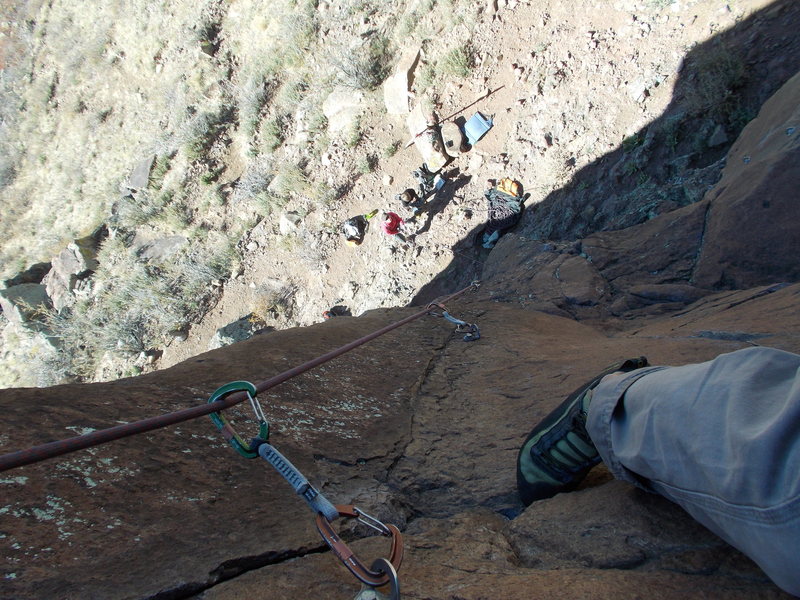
(396, 89)
(453, 139)
(33, 274)
(429, 143)
(74, 263)
(140, 177)
(238, 331)
(161, 248)
(24, 304)
(341, 108)
(289, 222)
(718, 137)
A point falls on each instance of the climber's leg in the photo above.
(722, 440)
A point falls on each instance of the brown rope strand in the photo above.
(95, 438)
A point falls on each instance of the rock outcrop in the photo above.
(743, 233)
(421, 429)
(24, 304)
(426, 441)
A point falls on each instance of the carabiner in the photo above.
(384, 566)
(375, 577)
(471, 330)
(234, 439)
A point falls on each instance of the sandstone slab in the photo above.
(397, 86)
(752, 235)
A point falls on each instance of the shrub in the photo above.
(300, 27)
(203, 130)
(160, 170)
(630, 143)
(368, 164)
(355, 135)
(271, 303)
(718, 73)
(322, 193)
(255, 181)
(317, 121)
(266, 203)
(426, 77)
(290, 179)
(671, 129)
(137, 303)
(273, 131)
(391, 149)
(252, 96)
(456, 62)
(365, 67)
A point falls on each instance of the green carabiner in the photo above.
(234, 439)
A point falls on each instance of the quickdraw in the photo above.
(470, 330)
(383, 572)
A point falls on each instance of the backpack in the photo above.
(510, 187)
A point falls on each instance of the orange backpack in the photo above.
(509, 186)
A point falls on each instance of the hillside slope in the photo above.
(421, 429)
(608, 114)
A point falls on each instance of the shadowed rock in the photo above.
(422, 429)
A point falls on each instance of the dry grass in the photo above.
(203, 86)
(135, 303)
(719, 73)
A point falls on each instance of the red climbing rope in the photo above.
(95, 438)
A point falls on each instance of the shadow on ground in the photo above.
(675, 159)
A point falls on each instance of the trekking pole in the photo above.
(486, 94)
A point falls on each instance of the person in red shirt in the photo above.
(392, 223)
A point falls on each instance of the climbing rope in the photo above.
(383, 571)
(95, 438)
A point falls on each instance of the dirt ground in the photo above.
(572, 82)
(608, 114)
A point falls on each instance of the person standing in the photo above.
(392, 223)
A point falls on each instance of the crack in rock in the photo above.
(232, 568)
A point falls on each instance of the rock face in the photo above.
(421, 429)
(752, 222)
(743, 233)
(75, 262)
(22, 302)
(427, 441)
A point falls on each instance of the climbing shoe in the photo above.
(558, 453)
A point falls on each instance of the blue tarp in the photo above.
(476, 127)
